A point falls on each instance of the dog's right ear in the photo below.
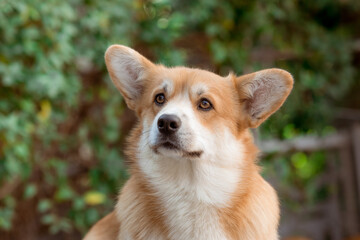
(127, 69)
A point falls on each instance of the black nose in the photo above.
(168, 124)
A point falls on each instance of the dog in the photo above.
(192, 158)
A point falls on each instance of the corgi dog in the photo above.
(192, 158)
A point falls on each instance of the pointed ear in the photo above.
(127, 69)
(262, 93)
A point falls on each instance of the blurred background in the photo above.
(62, 122)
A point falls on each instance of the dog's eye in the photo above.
(205, 104)
(160, 99)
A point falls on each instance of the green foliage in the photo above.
(60, 118)
(301, 179)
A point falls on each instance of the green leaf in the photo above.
(64, 193)
(219, 51)
(48, 219)
(44, 205)
(30, 191)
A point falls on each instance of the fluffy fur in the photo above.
(206, 185)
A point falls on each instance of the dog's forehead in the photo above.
(192, 81)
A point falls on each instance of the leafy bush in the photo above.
(61, 122)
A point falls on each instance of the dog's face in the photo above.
(185, 112)
(190, 113)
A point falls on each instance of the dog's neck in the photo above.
(189, 194)
(195, 180)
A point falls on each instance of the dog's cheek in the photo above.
(147, 127)
(215, 121)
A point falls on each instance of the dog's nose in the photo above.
(168, 124)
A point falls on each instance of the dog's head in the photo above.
(189, 113)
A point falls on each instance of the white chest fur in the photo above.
(190, 202)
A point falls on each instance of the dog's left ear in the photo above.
(127, 69)
(262, 93)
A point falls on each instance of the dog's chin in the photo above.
(172, 150)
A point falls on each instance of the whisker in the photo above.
(145, 132)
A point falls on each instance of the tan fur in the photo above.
(252, 212)
(145, 213)
(106, 228)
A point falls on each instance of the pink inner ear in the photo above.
(127, 72)
(131, 72)
(266, 95)
(134, 74)
(255, 106)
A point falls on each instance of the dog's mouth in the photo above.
(170, 145)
